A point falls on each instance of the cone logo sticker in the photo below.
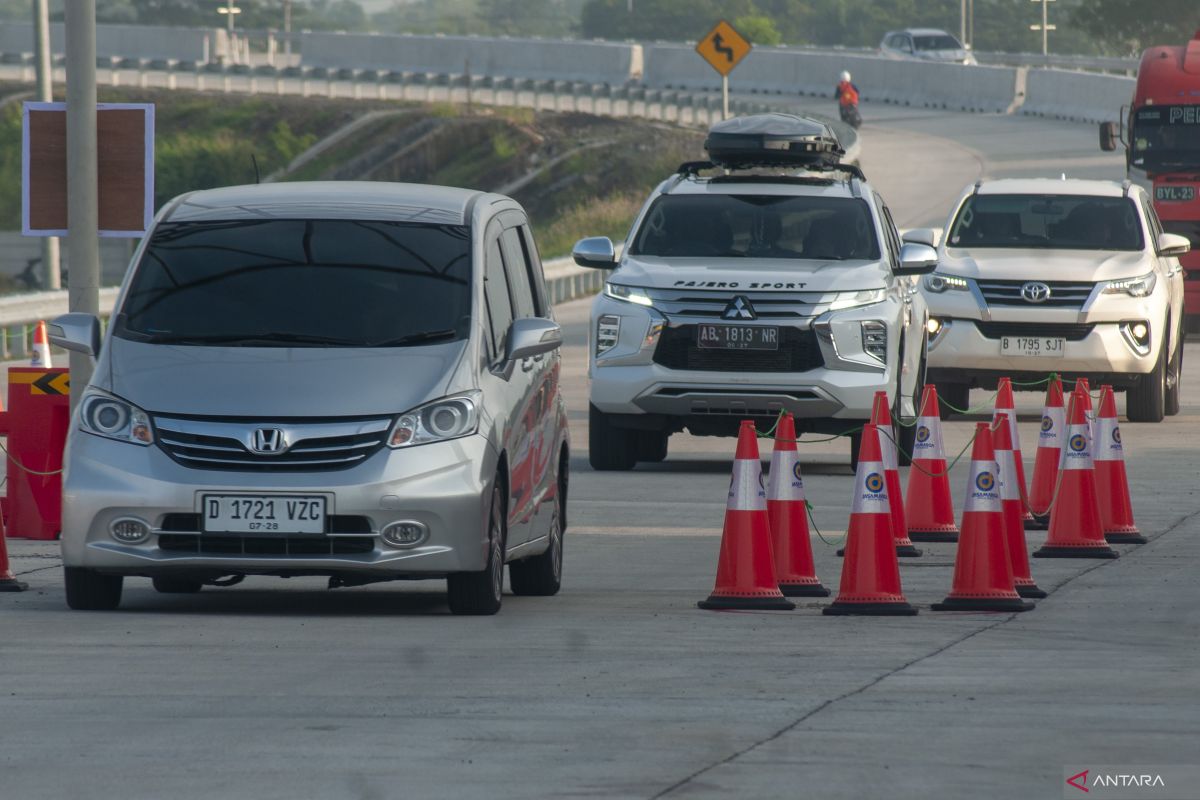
(870, 496)
(1078, 443)
(983, 494)
(1052, 422)
(922, 434)
(1116, 436)
(874, 482)
(797, 478)
(1077, 454)
(985, 481)
(1047, 424)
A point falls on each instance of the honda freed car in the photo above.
(769, 279)
(1069, 276)
(352, 380)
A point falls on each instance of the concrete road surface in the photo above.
(619, 686)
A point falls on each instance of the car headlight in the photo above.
(439, 421)
(1134, 287)
(936, 282)
(866, 297)
(629, 294)
(104, 415)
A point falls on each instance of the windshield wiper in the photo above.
(416, 338)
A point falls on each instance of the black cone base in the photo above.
(932, 536)
(12, 585)
(1125, 538)
(907, 551)
(803, 590)
(982, 604)
(1038, 524)
(1075, 552)
(715, 603)
(839, 609)
(1031, 591)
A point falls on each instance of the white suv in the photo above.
(1067, 276)
(772, 280)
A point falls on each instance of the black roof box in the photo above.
(772, 140)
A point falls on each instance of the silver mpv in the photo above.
(352, 380)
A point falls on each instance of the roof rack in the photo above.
(691, 168)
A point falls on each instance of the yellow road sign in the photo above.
(56, 382)
(723, 47)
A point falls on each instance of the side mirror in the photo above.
(1109, 134)
(532, 336)
(76, 331)
(916, 259)
(925, 236)
(596, 252)
(1169, 244)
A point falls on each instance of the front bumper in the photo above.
(446, 486)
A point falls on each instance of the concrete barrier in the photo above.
(123, 41)
(1083, 96)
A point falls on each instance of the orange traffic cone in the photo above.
(746, 571)
(1112, 484)
(1049, 453)
(1075, 527)
(41, 347)
(871, 572)
(881, 418)
(787, 513)
(1011, 507)
(8, 582)
(983, 577)
(1006, 409)
(929, 508)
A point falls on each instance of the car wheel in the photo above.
(1145, 400)
(952, 396)
(541, 575)
(652, 446)
(176, 585)
(480, 593)
(610, 447)
(1174, 378)
(88, 590)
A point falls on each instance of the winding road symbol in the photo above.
(719, 45)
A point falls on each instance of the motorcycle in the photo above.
(850, 115)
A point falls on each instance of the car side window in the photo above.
(1156, 227)
(906, 43)
(537, 279)
(496, 296)
(517, 270)
(890, 233)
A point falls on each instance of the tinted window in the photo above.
(518, 275)
(499, 304)
(939, 42)
(1068, 222)
(301, 282)
(529, 247)
(1166, 137)
(757, 226)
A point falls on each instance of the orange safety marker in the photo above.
(1007, 409)
(871, 572)
(1075, 527)
(787, 513)
(746, 569)
(1011, 507)
(41, 347)
(1049, 455)
(1112, 484)
(881, 418)
(983, 577)
(928, 505)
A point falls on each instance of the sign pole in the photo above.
(83, 216)
(724, 97)
(45, 93)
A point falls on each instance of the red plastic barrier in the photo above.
(36, 424)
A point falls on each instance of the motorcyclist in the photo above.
(846, 92)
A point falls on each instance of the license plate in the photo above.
(737, 337)
(1175, 194)
(248, 513)
(1043, 346)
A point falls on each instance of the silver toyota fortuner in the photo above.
(353, 380)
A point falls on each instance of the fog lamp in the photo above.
(129, 530)
(407, 533)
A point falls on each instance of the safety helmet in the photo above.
(845, 76)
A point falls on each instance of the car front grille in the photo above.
(1068, 331)
(798, 352)
(334, 523)
(311, 447)
(1063, 294)
(210, 544)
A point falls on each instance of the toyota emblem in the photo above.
(1035, 292)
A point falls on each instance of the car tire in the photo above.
(652, 446)
(957, 395)
(176, 585)
(1171, 401)
(610, 447)
(88, 590)
(541, 575)
(480, 593)
(1145, 401)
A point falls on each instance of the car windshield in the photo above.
(757, 226)
(1166, 138)
(1066, 222)
(300, 283)
(942, 41)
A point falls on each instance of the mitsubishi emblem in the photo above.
(739, 308)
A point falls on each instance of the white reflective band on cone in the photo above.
(1007, 475)
(1010, 414)
(746, 490)
(1054, 420)
(983, 492)
(927, 442)
(1078, 452)
(1108, 440)
(786, 482)
(887, 446)
(870, 489)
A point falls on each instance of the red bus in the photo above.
(1161, 135)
